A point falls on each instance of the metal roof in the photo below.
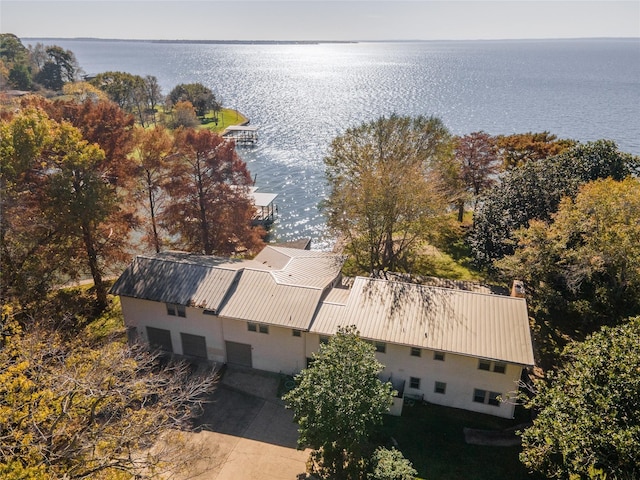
(282, 286)
(177, 277)
(258, 298)
(457, 321)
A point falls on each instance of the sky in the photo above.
(334, 20)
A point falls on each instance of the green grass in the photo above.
(432, 438)
(226, 118)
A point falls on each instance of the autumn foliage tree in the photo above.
(56, 176)
(384, 199)
(517, 149)
(70, 408)
(153, 149)
(476, 155)
(210, 210)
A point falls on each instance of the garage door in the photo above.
(159, 338)
(193, 345)
(239, 354)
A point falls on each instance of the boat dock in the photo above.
(242, 134)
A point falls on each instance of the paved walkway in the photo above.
(247, 433)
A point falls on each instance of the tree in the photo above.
(201, 97)
(83, 91)
(210, 210)
(72, 409)
(520, 148)
(128, 91)
(478, 161)
(589, 413)
(391, 465)
(60, 67)
(153, 148)
(533, 192)
(184, 115)
(338, 401)
(153, 94)
(582, 269)
(384, 200)
(31, 244)
(67, 204)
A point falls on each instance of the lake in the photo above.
(303, 95)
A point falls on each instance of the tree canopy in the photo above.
(582, 268)
(534, 190)
(210, 210)
(384, 198)
(338, 401)
(588, 420)
(70, 408)
(201, 97)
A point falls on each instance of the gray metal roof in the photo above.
(258, 298)
(177, 277)
(457, 321)
(281, 286)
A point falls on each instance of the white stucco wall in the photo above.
(144, 313)
(460, 373)
(277, 351)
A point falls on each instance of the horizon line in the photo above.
(318, 41)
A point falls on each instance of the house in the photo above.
(447, 346)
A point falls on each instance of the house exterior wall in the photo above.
(280, 351)
(144, 313)
(460, 373)
(276, 351)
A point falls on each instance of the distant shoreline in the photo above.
(319, 42)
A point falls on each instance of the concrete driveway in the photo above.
(246, 433)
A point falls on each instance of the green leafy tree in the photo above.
(201, 97)
(72, 409)
(130, 92)
(384, 199)
(582, 269)
(533, 192)
(391, 465)
(589, 412)
(338, 401)
(60, 67)
(209, 209)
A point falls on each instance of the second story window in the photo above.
(175, 310)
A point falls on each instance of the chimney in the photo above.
(517, 289)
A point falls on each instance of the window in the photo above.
(414, 383)
(484, 396)
(479, 395)
(174, 309)
(499, 367)
(415, 352)
(493, 399)
(381, 347)
(440, 387)
(496, 367)
(254, 327)
(484, 365)
(324, 339)
(438, 356)
(296, 333)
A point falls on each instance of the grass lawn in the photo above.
(432, 438)
(226, 118)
